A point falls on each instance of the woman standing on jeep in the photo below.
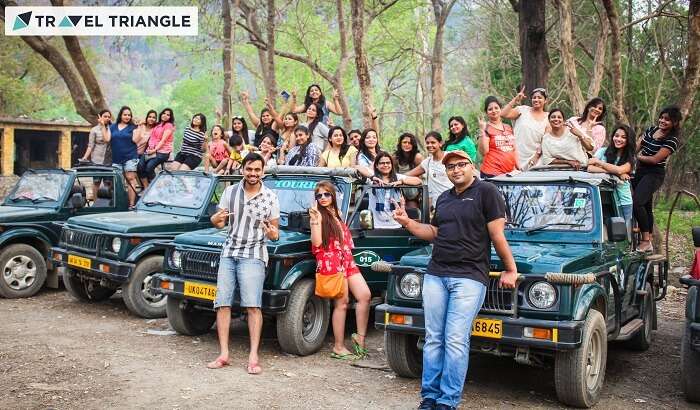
(654, 148)
(331, 244)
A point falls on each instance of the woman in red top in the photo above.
(332, 245)
(497, 143)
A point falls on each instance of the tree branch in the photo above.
(658, 12)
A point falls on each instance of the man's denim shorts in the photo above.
(246, 274)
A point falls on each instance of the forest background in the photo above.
(417, 62)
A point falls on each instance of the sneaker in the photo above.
(443, 406)
(427, 404)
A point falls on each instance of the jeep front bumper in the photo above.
(563, 335)
(203, 293)
(91, 265)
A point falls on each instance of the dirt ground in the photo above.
(58, 353)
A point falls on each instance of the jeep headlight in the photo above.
(116, 245)
(175, 259)
(410, 285)
(542, 295)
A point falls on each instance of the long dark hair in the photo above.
(302, 148)
(321, 99)
(363, 148)
(628, 152)
(172, 116)
(244, 130)
(319, 116)
(154, 112)
(293, 115)
(203, 125)
(262, 128)
(674, 113)
(392, 174)
(490, 99)
(457, 138)
(403, 157)
(344, 146)
(121, 111)
(590, 104)
(329, 228)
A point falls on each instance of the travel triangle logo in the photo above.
(22, 20)
(65, 22)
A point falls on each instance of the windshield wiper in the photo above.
(42, 199)
(152, 203)
(539, 228)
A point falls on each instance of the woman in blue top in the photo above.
(618, 159)
(124, 149)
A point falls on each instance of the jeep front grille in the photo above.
(200, 265)
(499, 300)
(79, 240)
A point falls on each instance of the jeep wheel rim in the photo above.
(19, 272)
(594, 360)
(311, 319)
(151, 298)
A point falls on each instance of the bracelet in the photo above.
(314, 223)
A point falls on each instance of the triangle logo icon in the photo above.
(65, 23)
(75, 19)
(22, 20)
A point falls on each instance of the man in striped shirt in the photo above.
(253, 212)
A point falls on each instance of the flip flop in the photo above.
(360, 351)
(254, 368)
(217, 364)
(344, 356)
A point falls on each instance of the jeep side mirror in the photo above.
(617, 229)
(77, 201)
(366, 219)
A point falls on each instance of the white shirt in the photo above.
(380, 204)
(528, 134)
(567, 147)
(437, 178)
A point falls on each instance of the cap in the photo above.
(458, 154)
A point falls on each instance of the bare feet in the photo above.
(254, 368)
(218, 363)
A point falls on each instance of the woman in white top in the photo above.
(433, 167)
(317, 129)
(368, 150)
(563, 143)
(385, 198)
(529, 123)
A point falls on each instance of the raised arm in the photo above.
(245, 99)
(484, 140)
(298, 109)
(315, 223)
(276, 117)
(509, 111)
(334, 105)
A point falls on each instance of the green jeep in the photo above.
(579, 285)
(102, 253)
(28, 217)
(302, 318)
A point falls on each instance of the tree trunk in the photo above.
(227, 56)
(599, 59)
(357, 10)
(340, 70)
(271, 83)
(533, 44)
(437, 73)
(618, 104)
(85, 70)
(692, 70)
(566, 34)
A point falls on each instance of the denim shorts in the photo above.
(243, 274)
(129, 166)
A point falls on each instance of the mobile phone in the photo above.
(285, 95)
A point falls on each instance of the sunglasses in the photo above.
(323, 195)
(460, 165)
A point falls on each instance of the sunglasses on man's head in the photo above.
(323, 195)
(460, 165)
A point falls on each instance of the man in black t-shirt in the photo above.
(467, 219)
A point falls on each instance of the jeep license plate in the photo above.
(200, 291)
(487, 328)
(79, 262)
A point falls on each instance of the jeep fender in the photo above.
(145, 248)
(302, 269)
(26, 235)
(589, 296)
(692, 308)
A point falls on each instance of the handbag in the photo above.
(331, 286)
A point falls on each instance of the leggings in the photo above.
(645, 184)
(146, 168)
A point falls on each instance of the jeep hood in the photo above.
(529, 257)
(135, 222)
(20, 214)
(289, 242)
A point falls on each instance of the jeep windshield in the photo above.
(39, 188)
(535, 208)
(177, 190)
(297, 194)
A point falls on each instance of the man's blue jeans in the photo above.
(450, 306)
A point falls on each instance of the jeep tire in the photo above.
(185, 319)
(579, 374)
(402, 354)
(643, 338)
(85, 290)
(137, 293)
(302, 328)
(23, 271)
(690, 368)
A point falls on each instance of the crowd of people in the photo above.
(458, 271)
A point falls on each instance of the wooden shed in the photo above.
(28, 143)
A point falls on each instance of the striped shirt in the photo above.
(651, 147)
(308, 159)
(246, 237)
(192, 142)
